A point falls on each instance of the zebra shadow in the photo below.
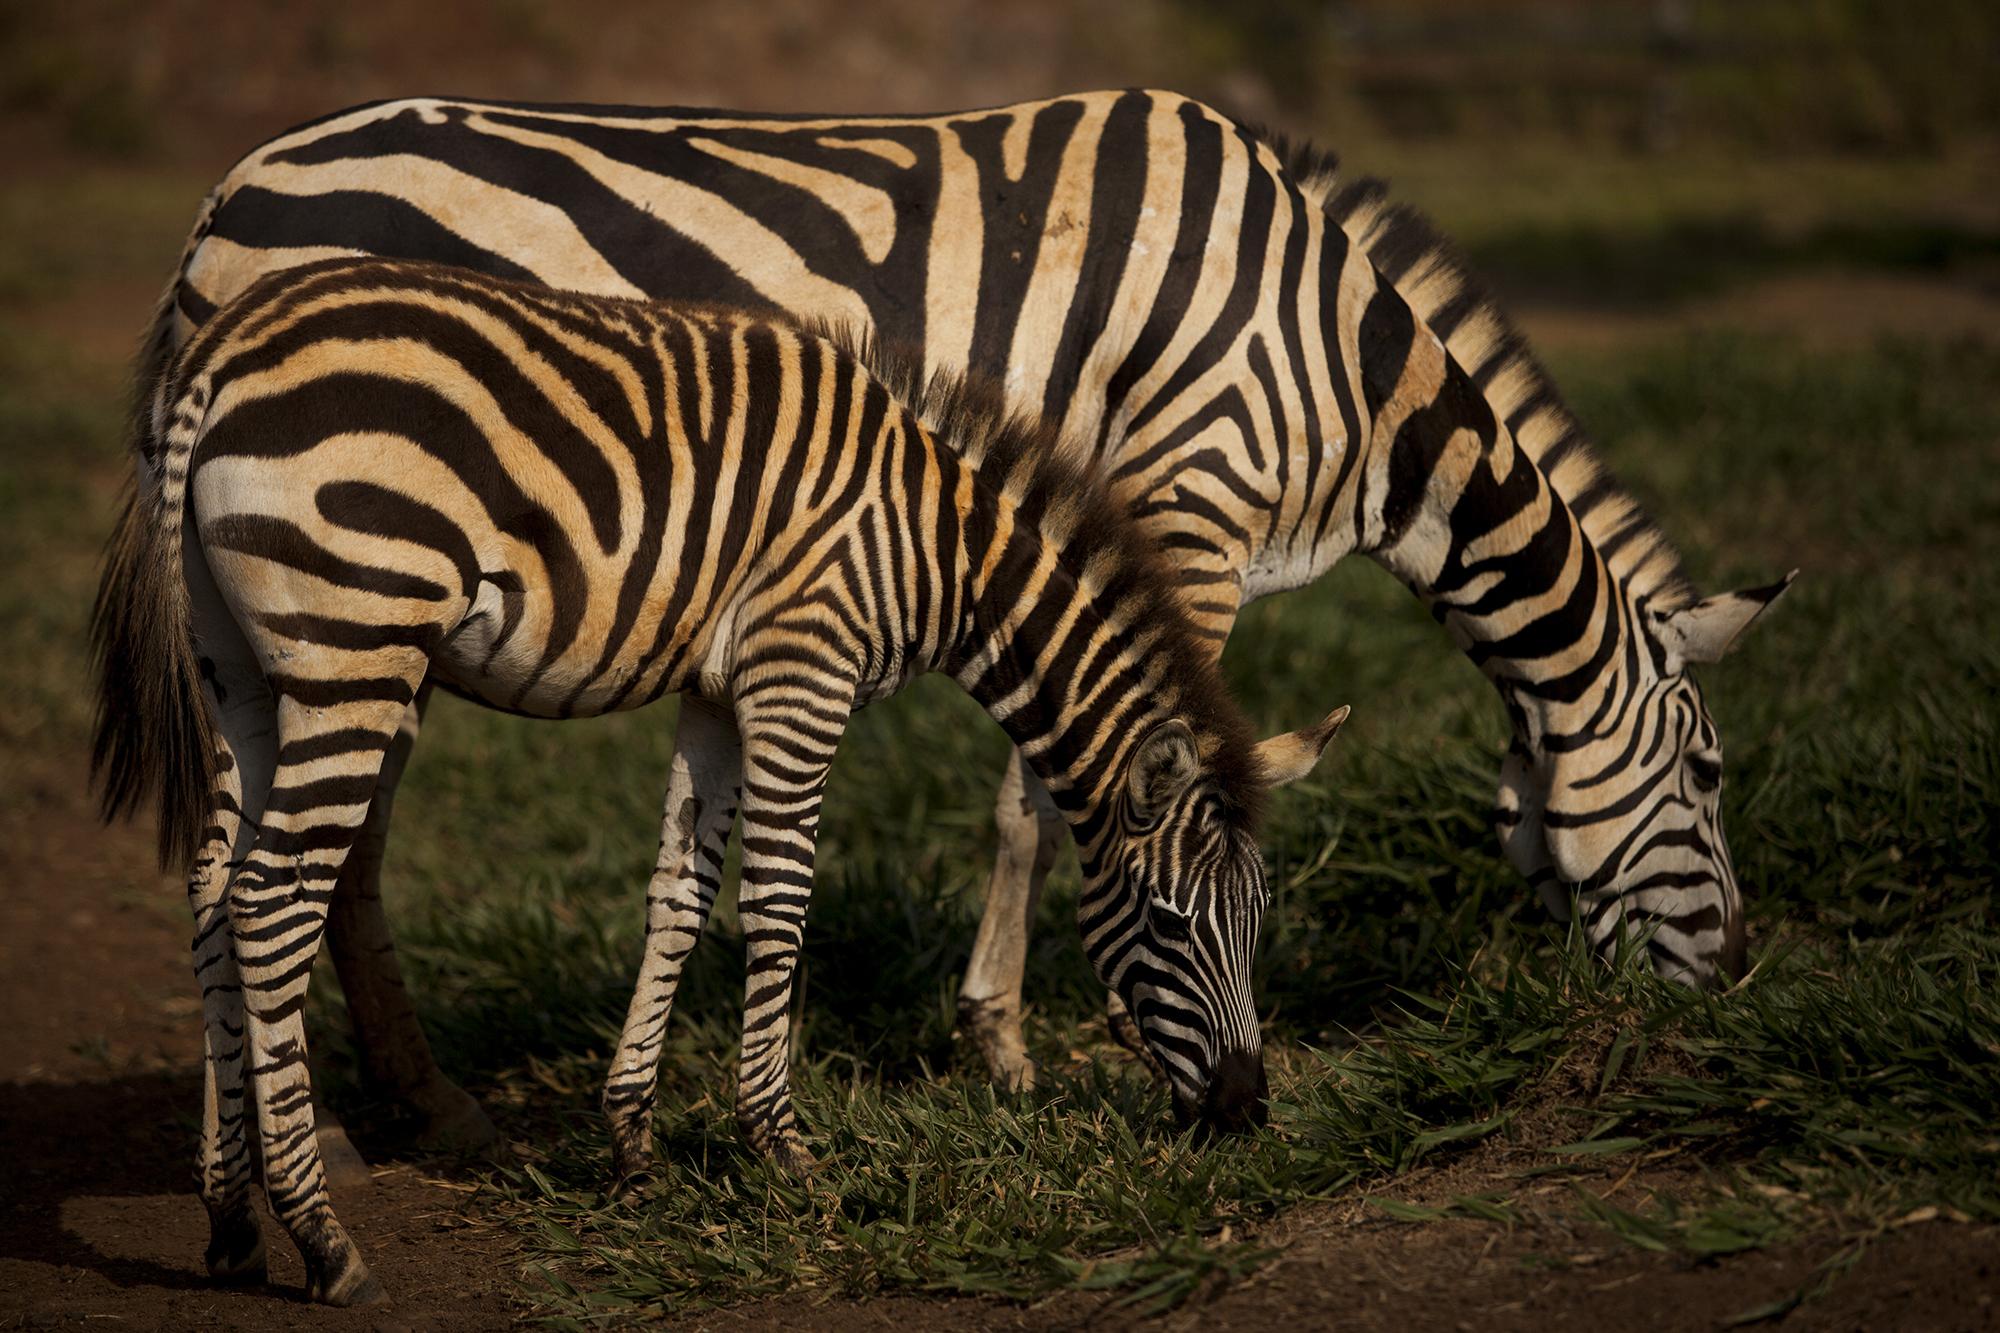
(99, 1176)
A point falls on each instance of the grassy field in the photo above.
(1438, 1050)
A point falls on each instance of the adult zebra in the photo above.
(376, 473)
(1277, 369)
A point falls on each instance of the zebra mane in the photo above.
(1055, 486)
(1428, 271)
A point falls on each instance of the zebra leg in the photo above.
(331, 746)
(222, 1165)
(239, 699)
(989, 999)
(394, 1050)
(702, 792)
(788, 746)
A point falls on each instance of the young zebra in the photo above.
(1280, 368)
(376, 472)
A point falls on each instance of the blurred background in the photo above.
(1785, 76)
(1758, 242)
(1528, 126)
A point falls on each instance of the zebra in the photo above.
(1278, 366)
(368, 474)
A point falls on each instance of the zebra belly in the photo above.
(499, 655)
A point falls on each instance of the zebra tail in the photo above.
(154, 732)
(121, 617)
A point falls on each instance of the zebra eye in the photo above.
(1705, 770)
(1169, 922)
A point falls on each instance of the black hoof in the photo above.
(355, 1286)
(632, 1170)
(634, 1184)
(235, 1254)
(455, 1123)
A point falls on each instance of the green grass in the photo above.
(1842, 1090)
(58, 426)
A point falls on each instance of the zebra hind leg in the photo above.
(332, 737)
(702, 793)
(395, 1053)
(223, 1166)
(239, 699)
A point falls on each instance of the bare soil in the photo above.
(101, 1055)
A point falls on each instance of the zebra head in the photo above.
(1625, 815)
(1187, 881)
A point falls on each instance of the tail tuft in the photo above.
(153, 731)
(152, 723)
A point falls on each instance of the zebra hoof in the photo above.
(356, 1286)
(454, 1122)
(631, 1172)
(235, 1254)
(790, 1155)
(996, 1030)
(634, 1185)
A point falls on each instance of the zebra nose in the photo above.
(1237, 1094)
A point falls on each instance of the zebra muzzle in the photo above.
(1239, 1093)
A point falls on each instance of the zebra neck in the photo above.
(1452, 505)
(1068, 679)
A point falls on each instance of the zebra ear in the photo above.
(1289, 757)
(1706, 630)
(1162, 767)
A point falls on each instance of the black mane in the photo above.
(1429, 271)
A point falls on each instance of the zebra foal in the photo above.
(364, 475)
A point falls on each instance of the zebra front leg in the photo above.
(332, 736)
(989, 999)
(702, 791)
(394, 1050)
(788, 746)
